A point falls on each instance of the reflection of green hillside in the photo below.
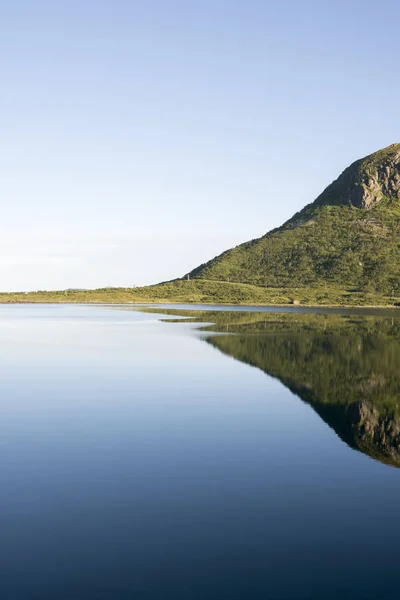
(351, 377)
(267, 322)
(347, 367)
(325, 368)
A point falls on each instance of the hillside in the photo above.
(348, 237)
(342, 249)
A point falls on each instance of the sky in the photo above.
(142, 138)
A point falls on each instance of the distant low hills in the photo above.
(347, 238)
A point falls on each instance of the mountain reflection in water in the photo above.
(346, 367)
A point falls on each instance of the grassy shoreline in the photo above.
(201, 291)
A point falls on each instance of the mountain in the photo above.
(342, 249)
(348, 237)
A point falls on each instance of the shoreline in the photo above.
(296, 307)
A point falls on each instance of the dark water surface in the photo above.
(150, 459)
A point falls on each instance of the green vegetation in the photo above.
(338, 247)
(343, 249)
(348, 239)
(202, 291)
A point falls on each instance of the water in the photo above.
(254, 458)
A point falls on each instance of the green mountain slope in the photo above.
(348, 237)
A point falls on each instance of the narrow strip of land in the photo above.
(202, 291)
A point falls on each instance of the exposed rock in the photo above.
(367, 181)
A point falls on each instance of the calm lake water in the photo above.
(170, 459)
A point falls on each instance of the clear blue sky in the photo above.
(141, 138)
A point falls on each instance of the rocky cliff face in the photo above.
(367, 181)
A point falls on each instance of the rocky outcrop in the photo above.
(367, 181)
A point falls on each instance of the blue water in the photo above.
(138, 461)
